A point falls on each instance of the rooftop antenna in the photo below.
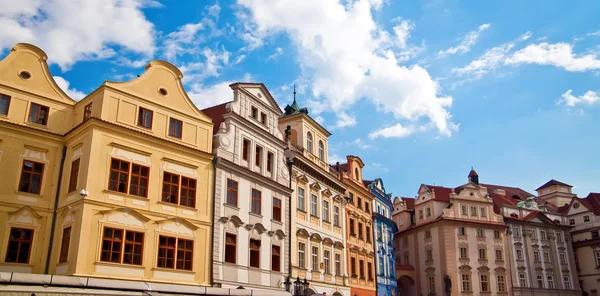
(294, 92)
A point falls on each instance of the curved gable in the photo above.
(29, 58)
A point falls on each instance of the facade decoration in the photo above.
(251, 238)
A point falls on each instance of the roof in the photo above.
(532, 215)
(593, 202)
(514, 195)
(216, 114)
(473, 173)
(410, 203)
(553, 183)
(367, 182)
(441, 193)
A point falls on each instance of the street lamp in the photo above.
(298, 287)
(287, 284)
(306, 284)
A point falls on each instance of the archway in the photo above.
(337, 294)
(406, 286)
(310, 292)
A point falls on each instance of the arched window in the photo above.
(356, 173)
(321, 151)
(309, 142)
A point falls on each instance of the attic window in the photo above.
(163, 92)
(24, 75)
(576, 205)
(516, 197)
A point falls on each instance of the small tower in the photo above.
(473, 177)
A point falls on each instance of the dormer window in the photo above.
(356, 173)
(309, 142)
(254, 113)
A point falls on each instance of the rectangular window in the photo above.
(499, 255)
(542, 234)
(338, 264)
(301, 201)
(263, 118)
(64, 245)
(501, 284)
(597, 256)
(258, 156)
(175, 127)
(38, 114)
(32, 174)
(232, 192)
(361, 269)
(246, 147)
(326, 261)
(368, 233)
(466, 283)
(563, 258)
(567, 282)
(484, 283)
(19, 245)
(516, 232)
(429, 255)
(230, 248)
(359, 202)
(336, 215)
(463, 210)
(353, 267)
(559, 237)
(139, 180)
(522, 280)
(352, 231)
(595, 234)
(533, 233)
(367, 207)
(427, 233)
(497, 234)
(546, 257)
(276, 209)
(536, 256)
(313, 205)
(87, 112)
(540, 281)
(254, 253)
(571, 221)
(461, 231)
(351, 198)
(256, 201)
(360, 230)
(119, 175)
(276, 258)
(188, 192)
(431, 284)
(315, 258)
(483, 212)
(145, 118)
(428, 211)
(550, 282)
(421, 214)
(269, 161)
(463, 253)
(254, 112)
(474, 211)
(586, 218)
(480, 233)
(482, 254)
(301, 252)
(170, 192)
(74, 175)
(519, 254)
(113, 249)
(326, 210)
(370, 271)
(4, 104)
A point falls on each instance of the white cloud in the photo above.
(395, 131)
(343, 54)
(402, 31)
(559, 55)
(276, 54)
(71, 92)
(70, 31)
(214, 10)
(318, 119)
(208, 96)
(597, 33)
(239, 59)
(360, 144)
(212, 65)
(468, 41)
(343, 120)
(589, 98)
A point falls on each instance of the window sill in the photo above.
(231, 206)
(277, 222)
(255, 215)
(327, 221)
(125, 265)
(38, 125)
(173, 270)
(149, 129)
(17, 264)
(36, 195)
(160, 202)
(301, 211)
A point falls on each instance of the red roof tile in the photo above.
(410, 203)
(552, 183)
(441, 193)
(593, 200)
(216, 114)
(367, 182)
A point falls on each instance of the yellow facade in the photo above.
(110, 126)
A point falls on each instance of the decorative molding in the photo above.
(302, 233)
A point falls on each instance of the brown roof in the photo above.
(593, 202)
(410, 203)
(367, 182)
(216, 114)
(552, 183)
(441, 193)
(473, 173)
(511, 192)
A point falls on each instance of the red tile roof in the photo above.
(593, 201)
(409, 202)
(216, 114)
(552, 183)
(441, 193)
(367, 182)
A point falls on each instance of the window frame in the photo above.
(229, 246)
(119, 171)
(139, 177)
(20, 241)
(484, 281)
(301, 255)
(38, 113)
(256, 200)
(87, 111)
(258, 151)
(336, 215)
(314, 258)
(309, 142)
(269, 161)
(246, 149)
(466, 282)
(143, 114)
(74, 175)
(338, 263)
(499, 255)
(122, 240)
(501, 282)
(314, 205)
(65, 243)
(321, 150)
(277, 205)
(275, 258)
(170, 185)
(233, 191)
(325, 211)
(327, 261)
(176, 249)
(7, 98)
(301, 199)
(32, 173)
(482, 253)
(175, 128)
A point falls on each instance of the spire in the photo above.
(294, 104)
(473, 176)
(294, 108)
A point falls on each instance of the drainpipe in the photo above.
(289, 162)
(53, 224)
(212, 226)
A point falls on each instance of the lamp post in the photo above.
(298, 287)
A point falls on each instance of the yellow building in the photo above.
(116, 185)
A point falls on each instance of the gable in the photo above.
(577, 207)
(28, 58)
(260, 93)
(161, 84)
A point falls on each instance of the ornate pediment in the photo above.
(258, 227)
(24, 215)
(338, 245)
(500, 270)
(177, 225)
(521, 268)
(338, 198)
(328, 242)
(483, 269)
(235, 220)
(316, 186)
(129, 217)
(302, 179)
(316, 237)
(539, 269)
(430, 270)
(279, 234)
(327, 192)
(464, 269)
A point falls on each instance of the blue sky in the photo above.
(420, 90)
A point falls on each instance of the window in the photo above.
(326, 210)
(351, 197)
(559, 237)
(499, 255)
(571, 221)
(367, 209)
(321, 151)
(64, 245)
(546, 257)
(315, 258)
(497, 234)
(474, 211)
(368, 233)
(543, 235)
(309, 142)
(230, 248)
(466, 283)
(353, 267)
(536, 256)
(87, 112)
(482, 254)
(483, 212)
(379, 233)
(326, 260)
(563, 258)
(145, 118)
(254, 253)
(263, 118)
(359, 202)
(533, 233)
(19, 245)
(463, 253)
(597, 256)
(139, 180)
(275, 256)
(74, 175)
(361, 269)
(232, 192)
(484, 283)
(119, 175)
(501, 284)
(429, 255)
(421, 214)
(301, 250)
(4, 104)
(360, 230)
(381, 265)
(461, 231)
(175, 127)
(519, 254)
(38, 114)
(338, 264)
(522, 280)
(516, 232)
(586, 218)
(31, 177)
(431, 283)
(480, 233)
(313, 205)
(428, 210)
(427, 233)
(245, 148)
(254, 112)
(258, 156)
(463, 210)
(301, 202)
(336, 215)
(356, 174)
(540, 281)
(276, 209)
(595, 234)
(567, 282)
(550, 282)
(171, 190)
(269, 161)
(352, 231)
(113, 249)
(256, 201)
